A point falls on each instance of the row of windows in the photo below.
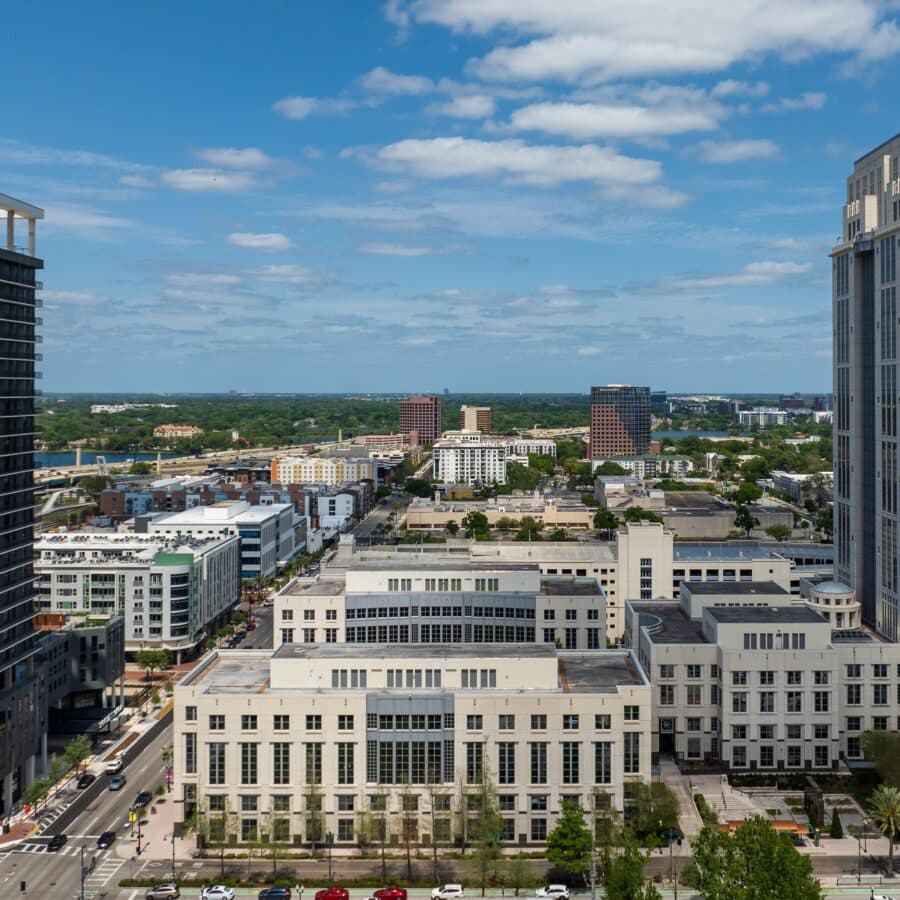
(443, 584)
(402, 612)
(794, 756)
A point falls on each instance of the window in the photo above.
(854, 723)
(739, 756)
(346, 802)
(694, 724)
(345, 830)
(667, 694)
(281, 763)
(506, 763)
(474, 723)
(854, 670)
(507, 722)
(282, 723)
(821, 701)
(794, 677)
(571, 615)
(603, 762)
(539, 723)
(632, 713)
(854, 747)
(217, 763)
(767, 701)
(539, 829)
(739, 732)
(739, 702)
(693, 748)
(793, 755)
(879, 694)
(281, 803)
(287, 615)
(345, 763)
(570, 759)
(794, 701)
(820, 732)
(879, 723)
(190, 714)
(538, 763)
(248, 830)
(667, 671)
(854, 694)
(820, 677)
(287, 635)
(739, 678)
(313, 723)
(309, 635)
(474, 762)
(309, 615)
(767, 677)
(570, 722)
(217, 723)
(694, 694)
(632, 752)
(766, 757)
(795, 732)
(248, 723)
(249, 763)
(767, 732)
(602, 722)
(694, 671)
(549, 615)
(879, 670)
(314, 763)
(345, 723)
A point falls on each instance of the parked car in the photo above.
(142, 799)
(217, 892)
(163, 892)
(333, 893)
(446, 892)
(115, 765)
(117, 782)
(57, 842)
(86, 780)
(275, 893)
(390, 893)
(554, 892)
(107, 839)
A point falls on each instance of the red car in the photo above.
(333, 893)
(390, 893)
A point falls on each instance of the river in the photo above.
(64, 458)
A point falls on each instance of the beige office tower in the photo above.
(475, 418)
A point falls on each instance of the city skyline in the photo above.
(456, 190)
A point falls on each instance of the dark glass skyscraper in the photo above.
(620, 420)
(23, 705)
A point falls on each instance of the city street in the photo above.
(379, 516)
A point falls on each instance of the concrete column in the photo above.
(31, 237)
(29, 768)
(44, 760)
(10, 229)
(6, 792)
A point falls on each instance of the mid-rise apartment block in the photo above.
(327, 470)
(475, 418)
(620, 420)
(649, 465)
(172, 591)
(470, 458)
(864, 310)
(320, 736)
(762, 417)
(23, 698)
(424, 415)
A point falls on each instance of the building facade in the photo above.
(475, 418)
(649, 465)
(321, 737)
(327, 470)
(23, 697)
(470, 458)
(171, 591)
(762, 417)
(424, 415)
(620, 420)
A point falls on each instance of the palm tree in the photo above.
(885, 808)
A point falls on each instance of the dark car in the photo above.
(57, 843)
(390, 893)
(333, 893)
(86, 780)
(275, 893)
(107, 839)
(142, 799)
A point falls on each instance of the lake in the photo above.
(64, 458)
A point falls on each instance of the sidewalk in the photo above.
(688, 818)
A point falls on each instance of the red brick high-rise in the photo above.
(422, 413)
(620, 420)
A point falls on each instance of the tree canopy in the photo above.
(569, 844)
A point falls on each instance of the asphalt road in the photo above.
(379, 515)
(95, 810)
(261, 636)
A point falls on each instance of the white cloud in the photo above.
(541, 165)
(302, 107)
(736, 151)
(384, 249)
(207, 180)
(70, 215)
(203, 279)
(731, 88)
(60, 299)
(752, 274)
(591, 120)
(233, 158)
(466, 106)
(268, 242)
(603, 41)
(289, 274)
(589, 351)
(137, 181)
(21, 153)
(382, 81)
(807, 100)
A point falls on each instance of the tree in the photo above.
(36, 791)
(519, 876)
(639, 514)
(529, 529)
(883, 749)
(94, 485)
(885, 809)
(779, 532)
(747, 493)
(452, 528)
(605, 522)
(140, 468)
(754, 862)
(569, 844)
(836, 830)
(623, 868)
(56, 771)
(485, 827)
(76, 750)
(475, 524)
(655, 807)
(610, 468)
(745, 519)
(418, 487)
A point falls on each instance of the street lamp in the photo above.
(861, 835)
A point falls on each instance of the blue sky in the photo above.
(488, 195)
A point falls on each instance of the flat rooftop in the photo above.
(789, 615)
(414, 651)
(406, 563)
(726, 551)
(321, 587)
(734, 588)
(601, 672)
(569, 585)
(698, 500)
(232, 672)
(668, 623)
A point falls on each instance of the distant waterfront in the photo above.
(64, 458)
(678, 435)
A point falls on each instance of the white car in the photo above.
(114, 766)
(217, 892)
(447, 892)
(554, 892)
(880, 897)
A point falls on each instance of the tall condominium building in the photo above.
(475, 418)
(23, 707)
(423, 415)
(620, 420)
(470, 458)
(864, 308)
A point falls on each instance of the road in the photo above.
(95, 810)
(261, 636)
(379, 516)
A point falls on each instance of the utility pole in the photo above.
(82, 872)
(139, 815)
(173, 858)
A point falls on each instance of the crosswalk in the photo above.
(103, 872)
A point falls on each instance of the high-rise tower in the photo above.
(23, 705)
(422, 414)
(864, 309)
(620, 420)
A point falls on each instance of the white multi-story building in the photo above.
(747, 675)
(649, 465)
(267, 531)
(796, 486)
(327, 470)
(469, 457)
(308, 739)
(171, 591)
(762, 417)
(522, 446)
